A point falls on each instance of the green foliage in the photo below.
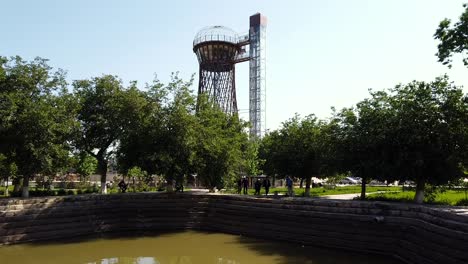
(462, 202)
(252, 162)
(141, 176)
(322, 191)
(36, 117)
(415, 131)
(218, 145)
(86, 166)
(445, 197)
(163, 140)
(106, 111)
(453, 39)
(300, 148)
(429, 131)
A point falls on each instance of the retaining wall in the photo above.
(414, 234)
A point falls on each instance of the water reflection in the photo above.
(152, 260)
(139, 260)
(180, 248)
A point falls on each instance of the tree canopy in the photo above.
(453, 39)
(36, 117)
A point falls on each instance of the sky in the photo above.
(319, 54)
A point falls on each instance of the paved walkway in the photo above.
(349, 196)
(463, 211)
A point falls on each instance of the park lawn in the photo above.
(2, 190)
(353, 189)
(320, 191)
(448, 197)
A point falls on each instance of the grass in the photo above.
(392, 193)
(320, 191)
(38, 192)
(448, 197)
(2, 190)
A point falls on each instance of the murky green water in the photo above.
(179, 248)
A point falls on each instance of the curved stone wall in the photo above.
(414, 234)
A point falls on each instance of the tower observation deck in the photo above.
(218, 49)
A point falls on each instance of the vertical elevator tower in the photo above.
(218, 49)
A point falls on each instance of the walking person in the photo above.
(289, 184)
(239, 185)
(123, 186)
(245, 184)
(266, 184)
(258, 186)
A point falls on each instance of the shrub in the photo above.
(462, 202)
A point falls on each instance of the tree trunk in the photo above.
(419, 197)
(300, 185)
(363, 188)
(170, 186)
(25, 189)
(102, 169)
(17, 183)
(6, 187)
(307, 190)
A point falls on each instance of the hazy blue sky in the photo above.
(319, 53)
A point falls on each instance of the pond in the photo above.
(186, 247)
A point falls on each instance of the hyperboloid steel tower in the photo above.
(218, 49)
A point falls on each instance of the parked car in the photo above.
(350, 180)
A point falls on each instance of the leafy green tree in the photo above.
(252, 162)
(453, 39)
(86, 166)
(163, 142)
(300, 148)
(363, 139)
(178, 133)
(271, 153)
(36, 117)
(7, 170)
(218, 145)
(139, 145)
(429, 132)
(139, 179)
(106, 111)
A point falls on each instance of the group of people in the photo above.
(243, 185)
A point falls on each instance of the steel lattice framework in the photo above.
(218, 49)
(257, 75)
(220, 86)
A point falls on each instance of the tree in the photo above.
(140, 144)
(300, 148)
(86, 165)
(36, 117)
(176, 154)
(218, 144)
(453, 39)
(163, 142)
(430, 132)
(252, 162)
(106, 111)
(8, 170)
(361, 139)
